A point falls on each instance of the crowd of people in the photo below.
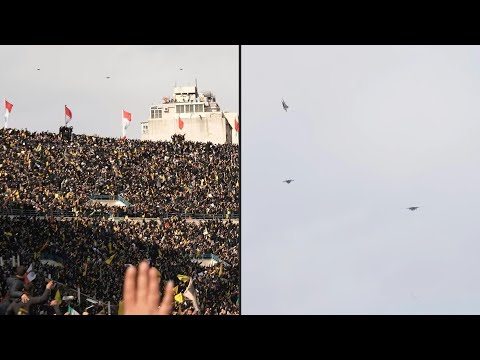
(90, 251)
(91, 254)
(45, 172)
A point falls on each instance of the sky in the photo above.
(370, 131)
(140, 76)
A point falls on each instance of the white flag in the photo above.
(30, 273)
(72, 311)
(191, 294)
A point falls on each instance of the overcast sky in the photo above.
(371, 130)
(76, 76)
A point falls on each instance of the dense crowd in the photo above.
(45, 172)
(90, 251)
(83, 245)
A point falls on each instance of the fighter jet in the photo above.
(107, 77)
(413, 208)
(285, 106)
(288, 181)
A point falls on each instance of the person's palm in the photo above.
(141, 294)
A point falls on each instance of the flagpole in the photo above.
(6, 118)
(65, 114)
(89, 297)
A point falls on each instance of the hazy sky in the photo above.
(370, 131)
(76, 76)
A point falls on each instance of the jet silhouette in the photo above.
(285, 106)
(288, 181)
(413, 208)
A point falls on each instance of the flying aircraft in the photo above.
(285, 106)
(288, 181)
(108, 77)
(413, 208)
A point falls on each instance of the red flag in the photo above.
(180, 123)
(126, 120)
(68, 113)
(237, 125)
(127, 115)
(8, 107)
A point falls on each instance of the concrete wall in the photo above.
(209, 127)
(231, 116)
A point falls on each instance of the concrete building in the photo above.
(193, 114)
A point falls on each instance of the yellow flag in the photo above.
(109, 260)
(175, 290)
(120, 308)
(183, 278)
(58, 297)
(179, 298)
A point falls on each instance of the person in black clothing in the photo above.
(16, 285)
(56, 307)
(15, 290)
(19, 308)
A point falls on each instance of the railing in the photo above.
(187, 216)
(66, 213)
(29, 212)
(209, 256)
(102, 197)
(123, 200)
(56, 258)
(213, 257)
(203, 216)
(110, 197)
